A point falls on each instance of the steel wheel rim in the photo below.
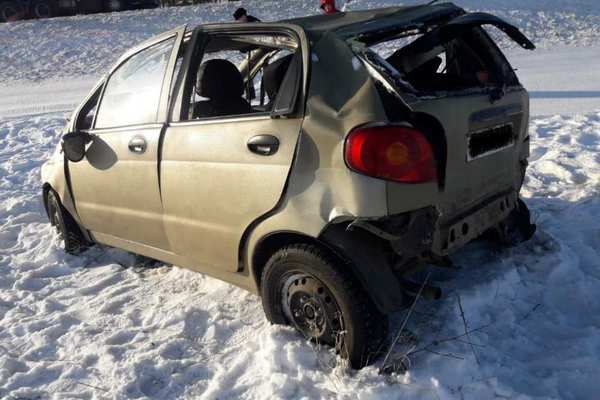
(311, 307)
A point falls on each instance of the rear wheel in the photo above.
(11, 11)
(307, 288)
(42, 9)
(68, 230)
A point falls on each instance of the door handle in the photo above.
(265, 145)
(137, 145)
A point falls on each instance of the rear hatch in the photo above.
(483, 148)
(453, 79)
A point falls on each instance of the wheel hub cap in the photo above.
(311, 308)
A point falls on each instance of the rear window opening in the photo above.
(469, 61)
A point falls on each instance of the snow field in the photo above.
(89, 44)
(111, 325)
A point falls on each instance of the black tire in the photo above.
(42, 9)
(73, 240)
(11, 11)
(306, 272)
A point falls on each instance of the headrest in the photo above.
(219, 79)
(274, 74)
(239, 13)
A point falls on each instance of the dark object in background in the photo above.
(328, 6)
(11, 10)
(14, 10)
(241, 15)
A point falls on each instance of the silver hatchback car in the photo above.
(317, 162)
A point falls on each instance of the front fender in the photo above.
(55, 176)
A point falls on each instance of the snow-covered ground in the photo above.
(107, 325)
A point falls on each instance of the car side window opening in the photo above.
(132, 93)
(239, 75)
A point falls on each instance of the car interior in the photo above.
(242, 74)
(237, 75)
(464, 62)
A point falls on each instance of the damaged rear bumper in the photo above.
(454, 232)
(384, 252)
(425, 231)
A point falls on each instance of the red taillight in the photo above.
(391, 152)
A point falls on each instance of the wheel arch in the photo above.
(359, 250)
(46, 188)
(270, 243)
(371, 260)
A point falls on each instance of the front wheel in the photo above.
(68, 230)
(309, 289)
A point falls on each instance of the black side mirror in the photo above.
(73, 145)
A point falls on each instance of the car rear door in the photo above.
(219, 175)
(115, 187)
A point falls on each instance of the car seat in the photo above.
(273, 76)
(222, 84)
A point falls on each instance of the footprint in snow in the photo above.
(588, 139)
(120, 338)
(151, 385)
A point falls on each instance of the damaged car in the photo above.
(319, 162)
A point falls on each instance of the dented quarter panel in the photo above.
(321, 188)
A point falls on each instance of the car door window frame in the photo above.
(96, 91)
(165, 93)
(195, 54)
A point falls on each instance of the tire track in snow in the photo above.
(27, 99)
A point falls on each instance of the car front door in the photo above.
(115, 187)
(221, 173)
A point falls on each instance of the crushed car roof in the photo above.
(353, 23)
